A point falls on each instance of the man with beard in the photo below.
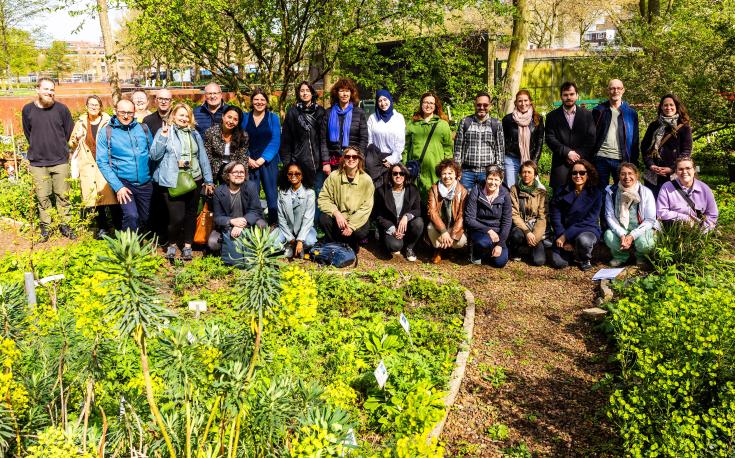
(48, 125)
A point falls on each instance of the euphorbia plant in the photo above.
(133, 302)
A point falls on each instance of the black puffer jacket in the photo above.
(302, 145)
(332, 151)
(510, 130)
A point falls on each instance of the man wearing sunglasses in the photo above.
(479, 143)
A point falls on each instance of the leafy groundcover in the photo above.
(113, 360)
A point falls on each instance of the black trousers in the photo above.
(413, 233)
(158, 219)
(182, 214)
(334, 234)
(517, 241)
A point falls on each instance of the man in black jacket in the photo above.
(570, 134)
(48, 125)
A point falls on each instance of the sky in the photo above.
(64, 26)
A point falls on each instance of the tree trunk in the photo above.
(151, 399)
(517, 53)
(110, 55)
(491, 45)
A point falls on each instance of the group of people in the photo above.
(347, 173)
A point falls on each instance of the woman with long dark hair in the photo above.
(301, 139)
(574, 213)
(428, 136)
(264, 131)
(668, 138)
(226, 142)
(524, 136)
(296, 206)
(398, 213)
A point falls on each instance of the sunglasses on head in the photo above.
(579, 172)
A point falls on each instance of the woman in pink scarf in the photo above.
(524, 136)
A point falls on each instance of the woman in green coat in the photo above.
(429, 117)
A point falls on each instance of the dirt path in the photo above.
(534, 362)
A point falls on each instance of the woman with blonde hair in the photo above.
(179, 148)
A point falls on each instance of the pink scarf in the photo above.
(524, 133)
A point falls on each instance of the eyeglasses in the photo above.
(579, 172)
(615, 89)
(125, 113)
(399, 174)
(294, 174)
(238, 173)
(482, 105)
(351, 157)
(163, 99)
(212, 94)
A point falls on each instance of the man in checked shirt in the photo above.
(479, 143)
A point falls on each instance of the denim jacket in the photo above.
(166, 152)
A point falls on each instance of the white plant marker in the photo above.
(406, 326)
(198, 307)
(381, 374)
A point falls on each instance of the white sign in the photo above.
(381, 374)
(50, 278)
(405, 324)
(351, 440)
(197, 307)
(608, 274)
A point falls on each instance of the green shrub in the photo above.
(676, 390)
(686, 246)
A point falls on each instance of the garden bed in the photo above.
(312, 388)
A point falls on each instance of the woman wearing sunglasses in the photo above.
(398, 213)
(296, 205)
(574, 214)
(346, 200)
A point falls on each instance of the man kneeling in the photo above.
(236, 207)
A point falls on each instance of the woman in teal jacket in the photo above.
(176, 148)
(429, 123)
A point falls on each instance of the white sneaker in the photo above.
(288, 252)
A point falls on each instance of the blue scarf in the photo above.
(336, 111)
(387, 114)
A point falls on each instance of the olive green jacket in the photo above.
(354, 200)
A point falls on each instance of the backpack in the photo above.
(332, 254)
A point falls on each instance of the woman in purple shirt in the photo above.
(686, 198)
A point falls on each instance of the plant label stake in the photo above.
(350, 441)
(381, 374)
(406, 326)
(198, 307)
(30, 285)
(51, 279)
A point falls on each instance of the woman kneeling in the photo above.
(296, 206)
(446, 210)
(488, 216)
(630, 211)
(528, 197)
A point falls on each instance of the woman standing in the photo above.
(524, 136)
(575, 210)
(446, 210)
(630, 211)
(96, 193)
(667, 139)
(226, 142)
(264, 131)
(345, 124)
(488, 216)
(301, 139)
(528, 197)
(686, 198)
(387, 128)
(346, 200)
(428, 141)
(179, 148)
(398, 213)
(296, 206)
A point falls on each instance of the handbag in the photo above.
(205, 224)
(414, 166)
(184, 183)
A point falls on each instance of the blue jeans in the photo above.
(135, 213)
(470, 178)
(606, 168)
(268, 175)
(309, 242)
(512, 169)
(318, 184)
(482, 247)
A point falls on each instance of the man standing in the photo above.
(156, 120)
(140, 100)
(210, 113)
(122, 157)
(48, 125)
(617, 133)
(570, 134)
(479, 143)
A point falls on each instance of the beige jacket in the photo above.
(535, 205)
(95, 190)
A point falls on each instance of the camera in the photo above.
(184, 164)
